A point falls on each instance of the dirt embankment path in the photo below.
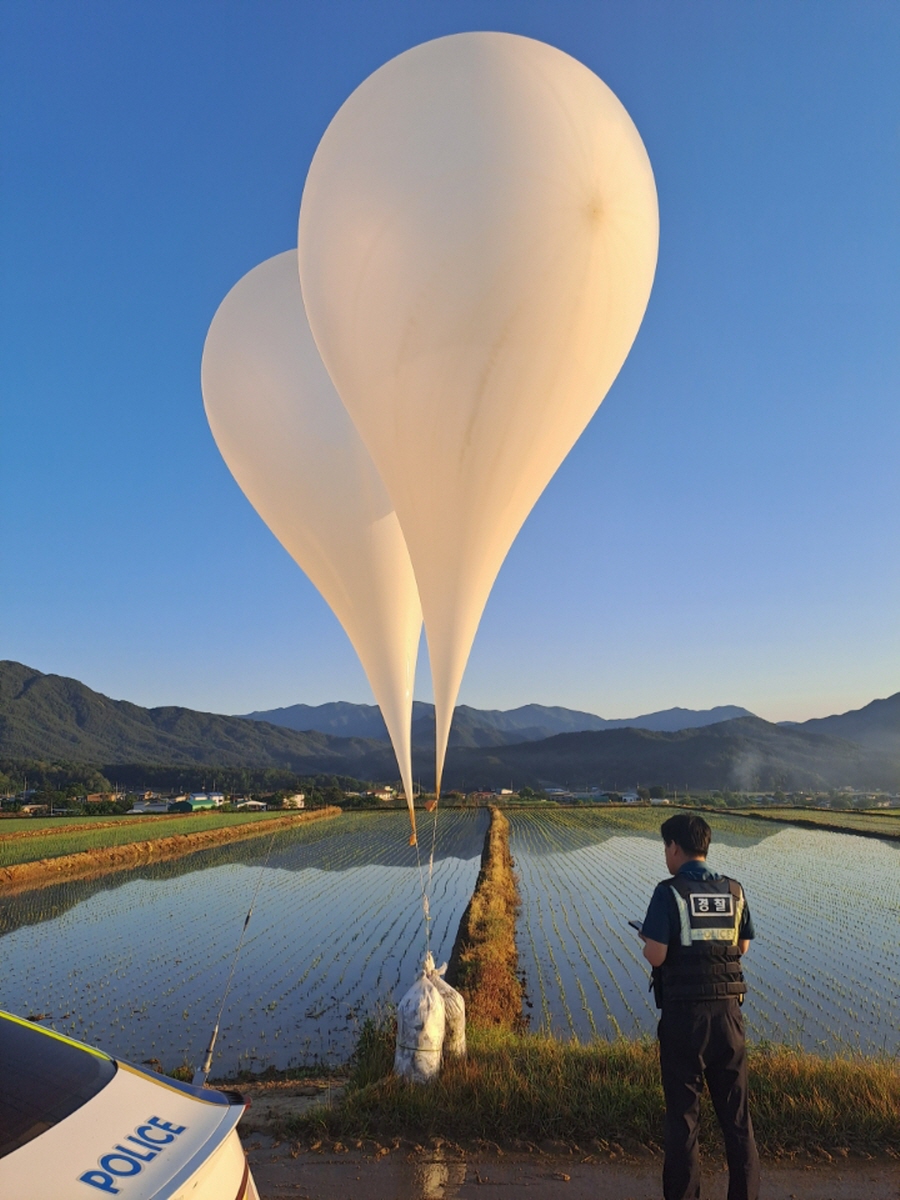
(484, 962)
(368, 1170)
(88, 863)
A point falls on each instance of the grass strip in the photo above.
(518, 1087)
(484, 962)
(801, 1100)
(56, 843)
(860, 824)
(102, 858)
(38, 827)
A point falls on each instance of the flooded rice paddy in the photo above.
(136, 962)
(823, 972)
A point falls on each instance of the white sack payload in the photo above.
(420, 1032)
(454, 1011)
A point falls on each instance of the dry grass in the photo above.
(516, 1088)
(801, 1100)
(484, 962)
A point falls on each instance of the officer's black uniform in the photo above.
(701, 1032)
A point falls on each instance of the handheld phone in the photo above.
(638, 925)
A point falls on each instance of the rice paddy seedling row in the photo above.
(822, 971)
(139, 968)
(55, 841)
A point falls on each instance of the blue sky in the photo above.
(726, 530)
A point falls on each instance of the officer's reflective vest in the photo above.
(703, 961)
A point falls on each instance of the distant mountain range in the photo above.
(52, 718)
(877, 726)
(481, 727)
(745, 754)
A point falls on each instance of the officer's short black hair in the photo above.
(688, 831)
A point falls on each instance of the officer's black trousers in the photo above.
(696, 1042)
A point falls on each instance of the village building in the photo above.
(197, 801)
(155, 805)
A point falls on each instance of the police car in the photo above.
(76, 1124)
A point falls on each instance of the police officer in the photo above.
(696, 929)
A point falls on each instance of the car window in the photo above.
(44, 1077)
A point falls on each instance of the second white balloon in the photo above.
(288, 440)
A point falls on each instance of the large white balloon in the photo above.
(478, 238)
(296, 455)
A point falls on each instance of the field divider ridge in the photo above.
(484, 963)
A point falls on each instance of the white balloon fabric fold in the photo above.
(290, 444)
(477, 243)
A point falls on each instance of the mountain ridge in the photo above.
(745, 754)
(474, 727)
(51, 717)
(875, 725)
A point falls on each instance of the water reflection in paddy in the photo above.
(136, 963)
(823, 972)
